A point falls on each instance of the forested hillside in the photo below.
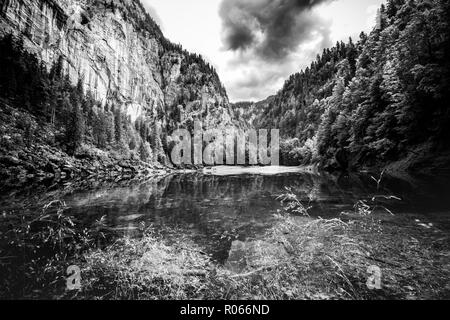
(381, 100)
(98, 80)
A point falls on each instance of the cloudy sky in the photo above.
(256, 44)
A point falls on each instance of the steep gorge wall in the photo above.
(119, 61)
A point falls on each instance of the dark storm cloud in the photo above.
(273, 28)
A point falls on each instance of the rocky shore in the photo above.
(29, 154)
(40, 162)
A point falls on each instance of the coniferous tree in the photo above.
(75, 129)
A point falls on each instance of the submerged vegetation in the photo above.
(300, 257)
(35, 248)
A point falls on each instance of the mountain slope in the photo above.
(117, 48)
(101, 75)
(382, 101)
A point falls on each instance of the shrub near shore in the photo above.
(300, 257)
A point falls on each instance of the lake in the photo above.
(216, 207)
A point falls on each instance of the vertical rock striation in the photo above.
(122, 57)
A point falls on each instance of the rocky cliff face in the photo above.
(121, 56)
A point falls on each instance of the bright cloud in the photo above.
(245, 39)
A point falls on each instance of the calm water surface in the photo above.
(219, 208)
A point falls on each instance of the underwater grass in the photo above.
(299, 258)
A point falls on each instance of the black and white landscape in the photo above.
(107, 189)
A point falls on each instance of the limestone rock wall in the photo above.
(117, 60)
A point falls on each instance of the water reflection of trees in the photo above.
(175, 191)
(240, 191)
(192, 198)
(214, 210)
